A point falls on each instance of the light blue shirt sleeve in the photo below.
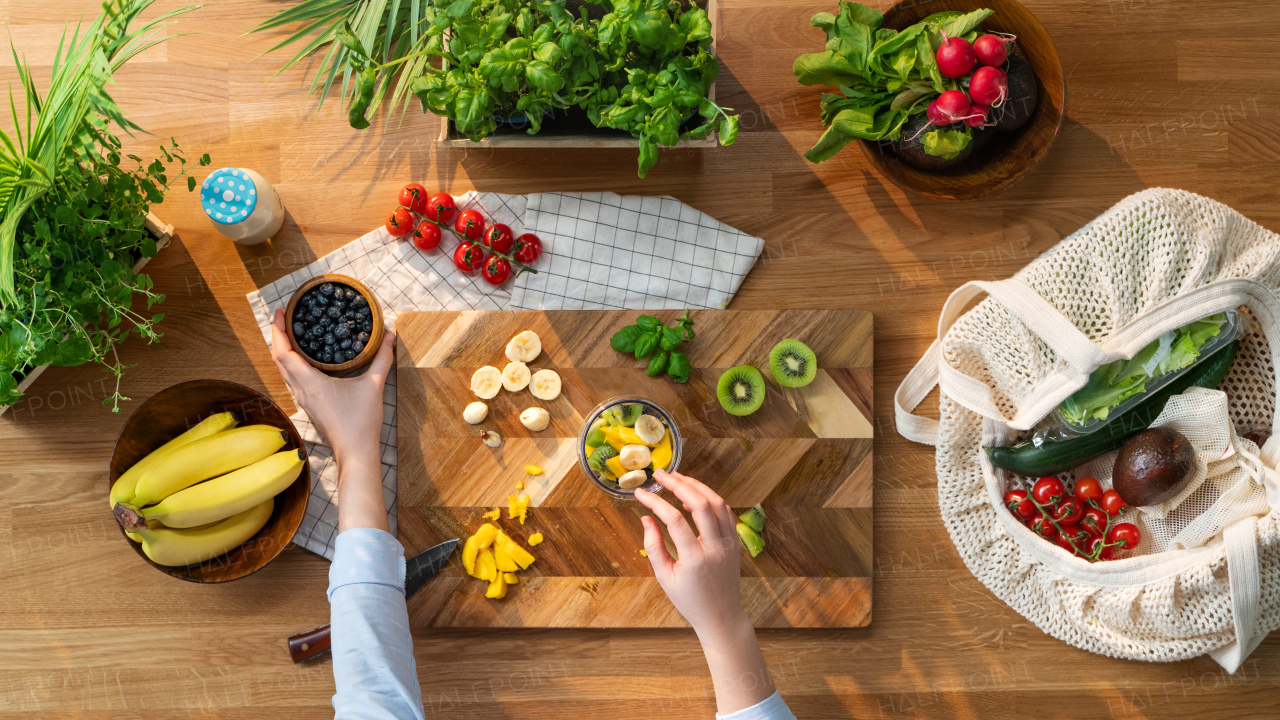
(771, 708)
(373, 668)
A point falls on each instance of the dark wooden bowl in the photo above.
(171, 412)
(375, 335)
(1008, 156)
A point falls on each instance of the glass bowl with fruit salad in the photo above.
(624, 440)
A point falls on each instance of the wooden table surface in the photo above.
(1168, 93)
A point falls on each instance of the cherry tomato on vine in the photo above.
(426, 236)
(1088, 489)
(470, 224)
(498, 237)
(440, 207)
(1042, 526)
(1127, 534)
(1069, 511)
(468, 257)
(1019, 505)
(414, 197)
(399, 222)
(527, 248)
(1095, 521)
(1112, 503)
(1096, 546)
(1066, 543)
(1048, 490)
(1076, 534)
(496, 270)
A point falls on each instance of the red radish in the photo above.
(955, 57)
(977, 115)
(953, 106)
(989, 86)
(991, 49)
(935, 115)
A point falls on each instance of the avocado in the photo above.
(910, 148)
(1018, 108)
(1153, 466)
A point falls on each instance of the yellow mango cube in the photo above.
(661, 455)
(485, 535)
(522, 557)
(493, 514)
(535, 539)
(497, 587)
(621, 436)
(503, 560)
(615, 466)
(511, 578)
(518, 507)
(486, 566)
(469, 551)
(533, 469)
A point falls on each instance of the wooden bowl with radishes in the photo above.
(1005, 155)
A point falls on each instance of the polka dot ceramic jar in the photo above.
(242, 205)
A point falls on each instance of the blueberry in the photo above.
(314, 345)
(326, 359)
(339, 305)
(299, 330)
(349, 354)
(357, 346)
(349, 294)
(363, 312)
(363, 337)
(345, 344)
(359, 301)
(315, 313)
(322, 301)
(342, 332)
(326, 289)
(333, 312)
(367, 326)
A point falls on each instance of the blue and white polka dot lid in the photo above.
(228, 196)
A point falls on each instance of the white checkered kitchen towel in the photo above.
(657, 252)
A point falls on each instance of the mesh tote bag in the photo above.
(1206, 576)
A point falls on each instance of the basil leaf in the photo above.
(625, 339)
(678, 367)
(646, 344)
(658, 363)
(648, 322)
(670, 339)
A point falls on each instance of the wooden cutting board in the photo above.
(806, 455)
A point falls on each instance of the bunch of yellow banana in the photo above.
(206, 491)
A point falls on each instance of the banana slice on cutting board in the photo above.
(524, 347)
(486, 382)
(545, 385)
(535, 418)
(515, 376)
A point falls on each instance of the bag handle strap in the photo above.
(1019, 298)
(1245, 580)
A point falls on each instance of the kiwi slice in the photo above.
(792, 363)
(598, 458)
(751, 539)
(741, 390)
(628, 413)
(754, 519)
(595, 438)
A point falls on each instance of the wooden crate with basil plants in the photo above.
(77, 225)
(527, 73)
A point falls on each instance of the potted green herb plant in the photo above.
(75, 223)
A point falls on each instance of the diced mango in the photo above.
(520, 485)
(497, 587)
(590, 449)
(493, 514)
(644, 553)
(486, 567)
(518, 507)
(615, 466)
(533, 469)
(621, 436)
(535, 539)
(661, 455)
(503, 560)
(522, 557)
(469, 551)
(485, 535)
(511, 578)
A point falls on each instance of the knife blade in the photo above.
(418, 570)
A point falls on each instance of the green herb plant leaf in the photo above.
(650, 337)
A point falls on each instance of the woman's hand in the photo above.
(348, 412)
(703, 584)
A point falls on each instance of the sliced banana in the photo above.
(633, 479)
(635, 457)
(486, 382)
(535, 418)
(545, 385)
(515, 376)
(524, 347)
(650, 429)
(475, 413)
(491, 438)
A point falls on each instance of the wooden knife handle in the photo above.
(310, 644)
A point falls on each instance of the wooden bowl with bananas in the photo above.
(209, 481)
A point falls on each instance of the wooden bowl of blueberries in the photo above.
(335, 323)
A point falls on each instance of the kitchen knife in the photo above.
(418, 570)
